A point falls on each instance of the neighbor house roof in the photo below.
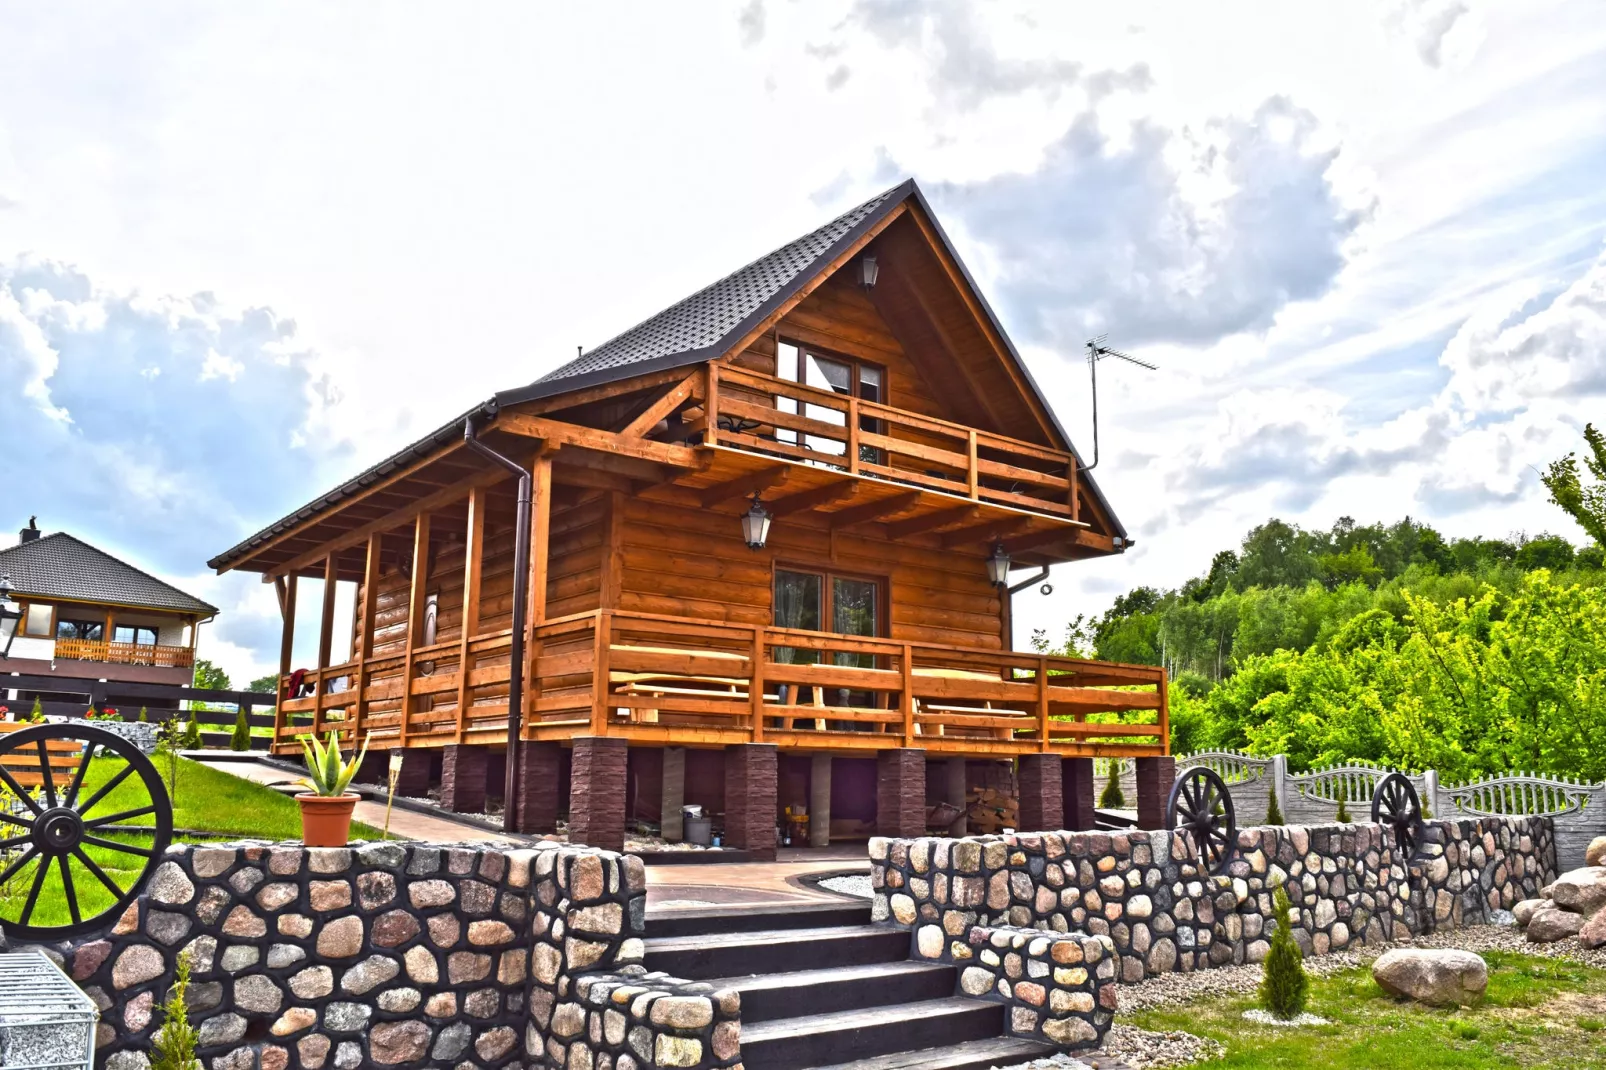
(59, 565)
(701, 327)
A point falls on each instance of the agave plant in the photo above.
(327, 774)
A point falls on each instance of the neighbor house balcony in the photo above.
(663, 680)
(161, 656)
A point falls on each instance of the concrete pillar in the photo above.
(540, 767)
(464, 771)
(1155, 777)
(413, 780)
(751, 798)
(901, 792)
(820, 801)
(597, 777)
(1042, 804)
(674, 793)
(958, 787)
(1078, 793)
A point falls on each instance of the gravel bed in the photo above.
(1170, 989)
(1142, 1049)
(852, 884)
(1060, 1061)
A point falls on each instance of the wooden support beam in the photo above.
(986, 531)
(473, 573)
(326, 622)
(417, 592)
(369, 607)
(287, 636)
(812, 499)
(540, 554)
(278, 589)
(862, 514)
(942, 518)
(589, 438)
(1074, 536)
(660, 409)
(743, 485)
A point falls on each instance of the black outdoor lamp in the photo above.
(868, 271)
(998, 565)
(10, 616)
(756, 525)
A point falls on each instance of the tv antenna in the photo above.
(1097, 351)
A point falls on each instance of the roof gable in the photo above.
(59, 565)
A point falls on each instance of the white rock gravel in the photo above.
(1142, 1050)
(853, 884)
(1263, 1017)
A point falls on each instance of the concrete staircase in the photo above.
(822, 987)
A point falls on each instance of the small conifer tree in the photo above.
(1274, 812)
(173, 1046)
(241, 739)
(1111, 798)
(37, 714)
(1284, 986)
(1342, 817)
(192, 734)
(144, 715)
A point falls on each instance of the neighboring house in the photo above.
(769, 532)
(86, 614)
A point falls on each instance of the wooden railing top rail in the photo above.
(115, 653)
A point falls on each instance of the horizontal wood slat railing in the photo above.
(667, 680)
(167, 657)
(764, 414)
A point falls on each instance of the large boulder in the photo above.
(1595, 853)
(1552, 924)
(1440, 978)
(1523, 912)
(1593, 934)
(1582, 891)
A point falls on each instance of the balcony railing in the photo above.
(761, 413)
(166, 657)
(667, 680)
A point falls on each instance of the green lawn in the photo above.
(209, 801)
(1539, 1012)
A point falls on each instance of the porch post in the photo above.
(413, 780)
(463, 773)
(326, 622)
(1078, 792)
(958, 770)
(751, 794)
(674, 794)
(1042, 805)
(417, 592)
(1155, 777)
(597, 771)
(534, 799)
(820, 801)
(365, 628)
(901, 792)
(473, 556)
(287, 608)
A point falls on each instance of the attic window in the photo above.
(38, 621)
(848, 376)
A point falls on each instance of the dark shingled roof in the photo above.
(60, 566)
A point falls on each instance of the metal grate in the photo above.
(45, 1021)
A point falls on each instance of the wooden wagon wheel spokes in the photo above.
(1201, 806)
(1395, 803)
(49, 769)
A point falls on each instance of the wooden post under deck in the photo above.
(365, 642)
(415, 617)
(326, 638)
(540, 551)
(287, 638)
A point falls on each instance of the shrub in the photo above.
(192, 735)
(173, 1046)
(37, 714)
(241, 739)
(1111, 798)
(1342, 817)
(1284, 987)
(1274, 812)
(144, 715)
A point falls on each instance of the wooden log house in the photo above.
(853, 394)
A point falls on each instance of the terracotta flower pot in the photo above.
(326, 819)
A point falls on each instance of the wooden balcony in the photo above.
(166, 657)
(762, 414)
(662, 680)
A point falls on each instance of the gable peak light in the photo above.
(756, 525)
(869, 271)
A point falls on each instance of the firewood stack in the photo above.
(992, 811)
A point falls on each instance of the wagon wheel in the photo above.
(1201, 806)
(1395, 804)
(77, 801)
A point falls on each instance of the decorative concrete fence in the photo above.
(1577, 809)
(1141, 890)
(387, 954)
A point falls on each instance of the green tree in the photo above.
(1274, 812)
(1284, 985)
(37, 714)
(173, 1046)
(1111, 797)
(210, 676)
(144, 715)
(268, 683)
(1585, 503)
(192, 735)
(240, 739)
(1545, 551)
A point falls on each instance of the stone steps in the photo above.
(816, 1040)
(698, 958)
(708, 920)
(971, 1055)
(782, 995)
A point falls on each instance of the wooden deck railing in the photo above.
(169, 657)
(760, 413)
(667, 680)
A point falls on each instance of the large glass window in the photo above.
(80, 629)
(852, 606)
(131, 633)
(840, 375)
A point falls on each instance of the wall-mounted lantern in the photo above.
(10, 616)
(868, 271)
(756, 525)
(998, 565)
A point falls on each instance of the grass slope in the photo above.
(1538, 1013)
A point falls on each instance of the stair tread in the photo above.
(836, 1021)
(994, 1051)
(827, 975)
(768, 937)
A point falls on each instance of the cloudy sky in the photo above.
(1366, 243)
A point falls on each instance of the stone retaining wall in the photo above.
(1347, 883)
(385, 954)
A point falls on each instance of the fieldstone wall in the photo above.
(1059, 987)
(380, 955)
(1162, 914)
(633, 1018)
